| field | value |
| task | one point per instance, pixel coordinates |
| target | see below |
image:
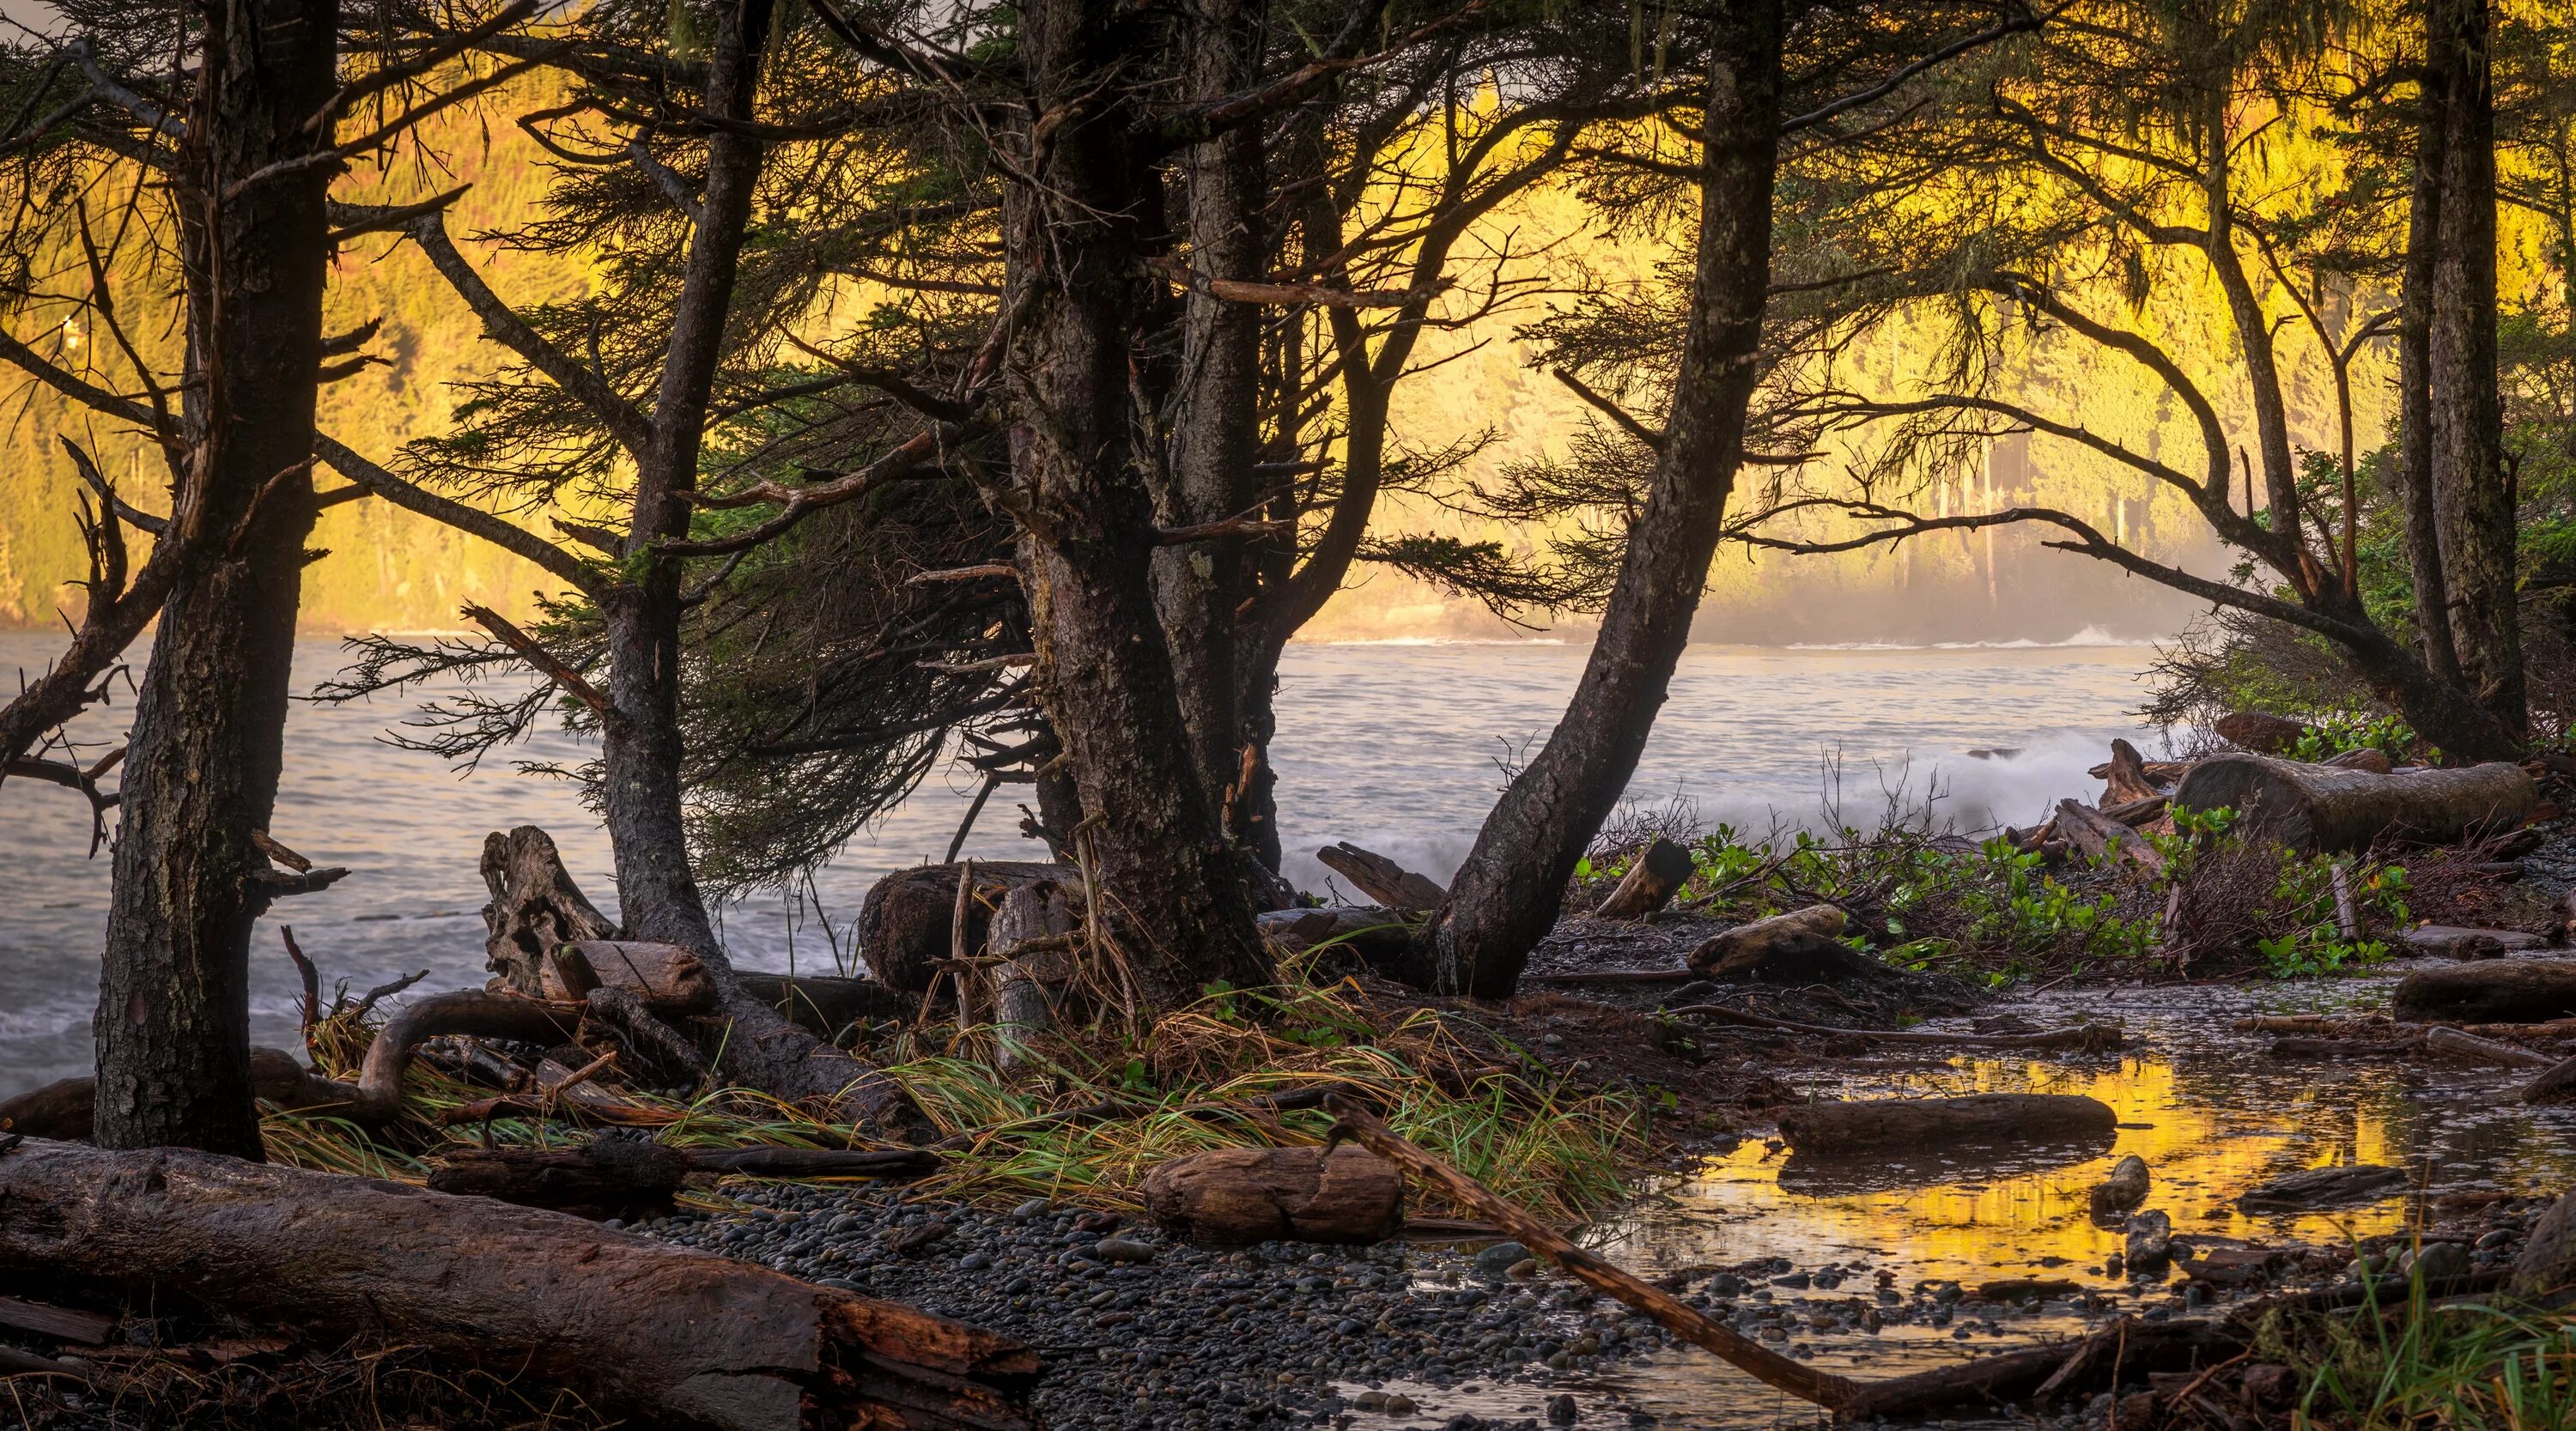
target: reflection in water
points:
(2207, 1108)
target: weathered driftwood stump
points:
(1033, 968)
(1660, 870)
(535, 907)
(908, 918)
(1838, 1129)
(1803, 946)
(666, 1336)
(1236, 1196)
(2322, 809)
(2491, 991)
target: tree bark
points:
(2415, 367)
(1077, 242)
(1508, 894)
(173, 1022)
(2472, 483)
(1212, 473)
(669, 1337)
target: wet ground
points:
(1850, 1265)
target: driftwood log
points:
(2127, 777)
(825, 1004)
(1376, 935)
(1382, 879)
(667, 1336)
(2320, 809)
(1233, 1197)
(612, 1176)
(2091, 1038)
(1803, 946)
(907, 921)
(2100, 838)
(1874, 1125)
(2491, 991)
(536, 909)
(671, 981)
(1658, 873)
(2262, 734)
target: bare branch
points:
(501, 323)
(471, 520)
(530, 650)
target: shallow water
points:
(2209, 1111)
(1392, 746)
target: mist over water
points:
(1396, 746)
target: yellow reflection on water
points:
(2209, 1130)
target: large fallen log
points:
(2092, 1038)
(2318, 809)
(1659, 872)
(909, 918)
(1355, 1123)
(2102, 838)
(2491, 991)
(1837, 1129)
(1234, 1197)
(667, 1336)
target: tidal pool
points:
(2207, 1107)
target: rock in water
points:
(2493, 991)
(2150, 1245)
(1835, 1129)
(2121, 1193)
(1803, 946)
(2325, 1187)
(2544, 1272)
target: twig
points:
(312, 982)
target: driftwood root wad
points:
(1839, 1129)
(1238, 1196)
(669, 1337)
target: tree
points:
(2121, 148)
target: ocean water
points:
(1396, 746)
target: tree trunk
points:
(1211, 473)
(672, 1338)
(2473, 485)
(2320, 808)
(2415, 368)
(1508, 894)
(173, 1023)
(1077, 244)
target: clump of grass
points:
(1444, 1081)
(2462, 1366)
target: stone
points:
(1500, 1258)
(1120, 1249)
(2150, 1243)
(2121, 1193)
(2436, 1260)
